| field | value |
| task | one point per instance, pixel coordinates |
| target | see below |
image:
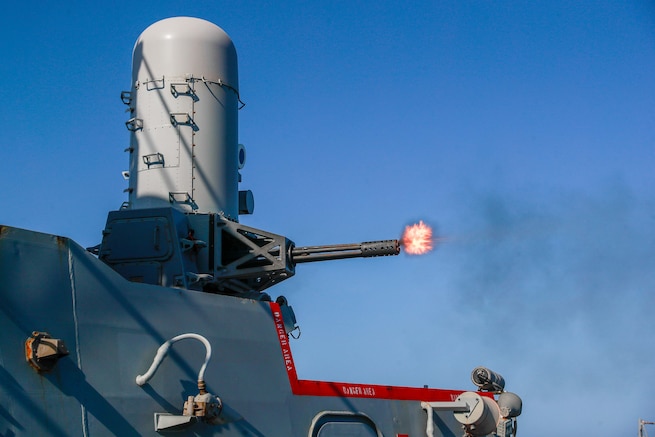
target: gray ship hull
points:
(112, 329)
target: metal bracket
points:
(183, 119)
(153, 159)
(154, 84)
(126, 97)
(183, 89)
(251, 259)
(191, 278)
(459, 406)
(188, 244)
(134, 124)
(172, 422)
(182, 197)
(429, 407)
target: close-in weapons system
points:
(165, 327)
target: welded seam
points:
(71, 275)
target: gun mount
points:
(165, 246)
(180, 226)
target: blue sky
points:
(523, 131)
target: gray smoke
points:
(568, 282)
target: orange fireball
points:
(417, 239)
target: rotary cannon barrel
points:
(340, 251)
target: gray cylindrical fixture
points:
(510, 404)
(184, 122)
(487, 380)
(482, 415)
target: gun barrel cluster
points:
(340, 251)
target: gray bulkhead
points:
(112, 329)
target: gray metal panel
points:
(147, 238)
(113, 329)
(120, 325)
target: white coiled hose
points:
(163, 350)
